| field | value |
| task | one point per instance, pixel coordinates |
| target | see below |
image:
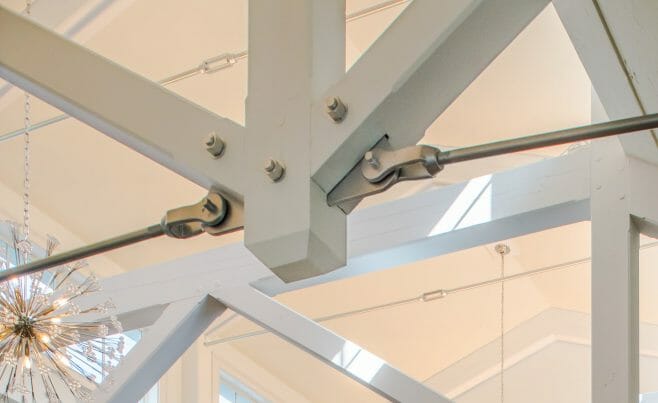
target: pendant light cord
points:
(502, 250)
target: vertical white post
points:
(181, 323)
(615, 265)
(296, 51)
(197, 376)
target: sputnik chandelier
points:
(53, 347)
(47, 348)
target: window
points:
(233, 391)
(152, 396)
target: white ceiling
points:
(87, 187)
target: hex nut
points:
(335, 109)
(214, 144)
(274, 170)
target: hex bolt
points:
(274, 170)
(214, 144)
(336, 109)
(370, 158)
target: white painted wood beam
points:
(296, 50)
(644, 196)
(334, 350)
(411, 74)
(528, 199)
(615, 274)
(121, 104)
(615, 41)
(507, 204)
(74, 19)
(181, 323)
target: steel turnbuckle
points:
(205, 216)
(382, 167)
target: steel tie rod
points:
(153, 231)
(611, 128)
(382, 166)
(208, 215)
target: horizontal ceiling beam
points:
(503, 205)
(121, 104)
(484, 210)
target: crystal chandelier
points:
(47, 349)
(54, 344)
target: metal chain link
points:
(27, 106)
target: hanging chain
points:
(27, 106)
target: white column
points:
(162, 344)
(615, 264)
(296, 50)
(197, 375)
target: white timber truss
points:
(293, 239)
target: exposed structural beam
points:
(483, 210)
(488, 209)
(616, 44)
(180, 324)
(615, 278)
(74, 19)
(163, 126)
(348, 358)
(440, 48)
(210, 65)
(643, 196)
(289, 226)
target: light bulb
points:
(27, 362)
(63, 359)
(58, 303)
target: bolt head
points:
(335, 109)
(274, 170)
(331, 103)
(370, 158)
(214, 144)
